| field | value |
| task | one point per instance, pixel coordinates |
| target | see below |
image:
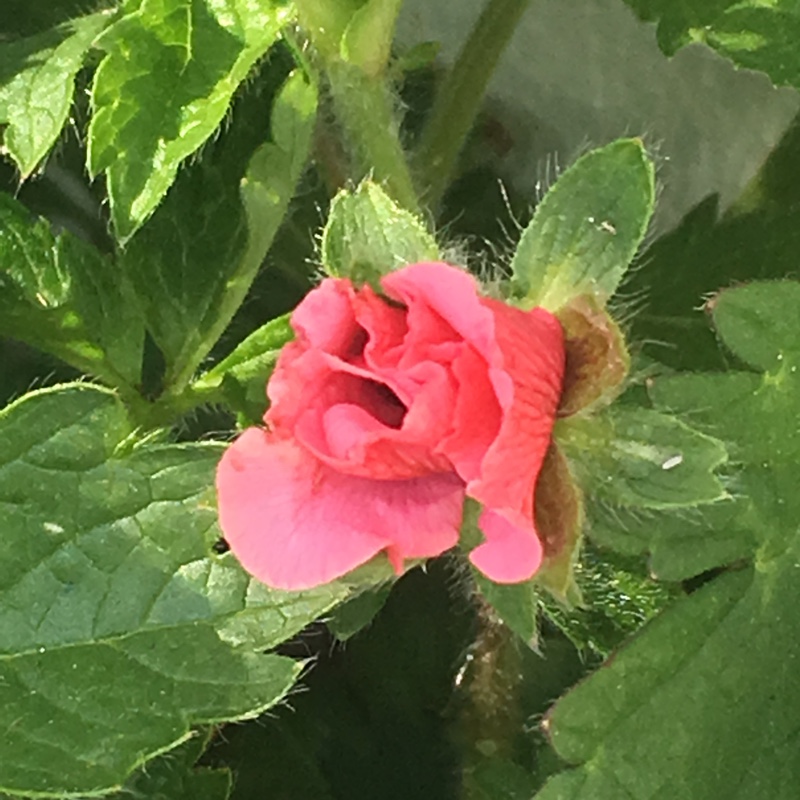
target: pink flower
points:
(385, 412)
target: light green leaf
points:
(704, 703)
(37, 78)
(59, 294)
(194, 263)
(367, 40)
(368, 235)
(587, 228)
(120, 631)
(254, 357)
(164, 86)
(639, 458)
(751, 33)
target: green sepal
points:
(587, 229)
(368, 235)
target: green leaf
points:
(164, 86)
(756, 323)
(194, 263)
(517, 604)
(704, 703)
(120, 631)
(240, 378)
(755, 239)
(752, 34)
(61, 295)
(19, 18)
(175, 777)
(368, 235)
(498, 779)
(619, 597)
(358, 612)
(640, 458)
(37, 78)
(587, 228)
(680, 545)
(372, 707)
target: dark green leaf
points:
(372, 722)
(120, 631)
(61, 295)
(499, 779)
(516, 604)
(587, 228)
(618, 598)
(358, 612)
(29, 17)
(751, 33)
(193, 264)
(756, 239)
(164, 86)
(368, 235)
(704, 703)
(37, 77)
(175, 777)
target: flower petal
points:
(528, 387)
(511, 553)
(295, 523)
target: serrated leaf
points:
(755, 239)
(61, 295)
(174, 776)
(358, 612)
(704, 703)
(164, 86)
(587, 228)
(640, 458)
(254, 357)
(37, 77)
(752, 34)
(194, 263)
(368, 235)
(757, 322)
(619, 597)
(119, 631)
(516, 604)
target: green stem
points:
(365, 108)
(460, 96)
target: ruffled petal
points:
(452, 294)
(528, 386)
(295, 523)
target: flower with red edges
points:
(386, 411)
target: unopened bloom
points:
(386, 411)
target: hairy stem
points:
(365, 107)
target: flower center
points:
(382, 403)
